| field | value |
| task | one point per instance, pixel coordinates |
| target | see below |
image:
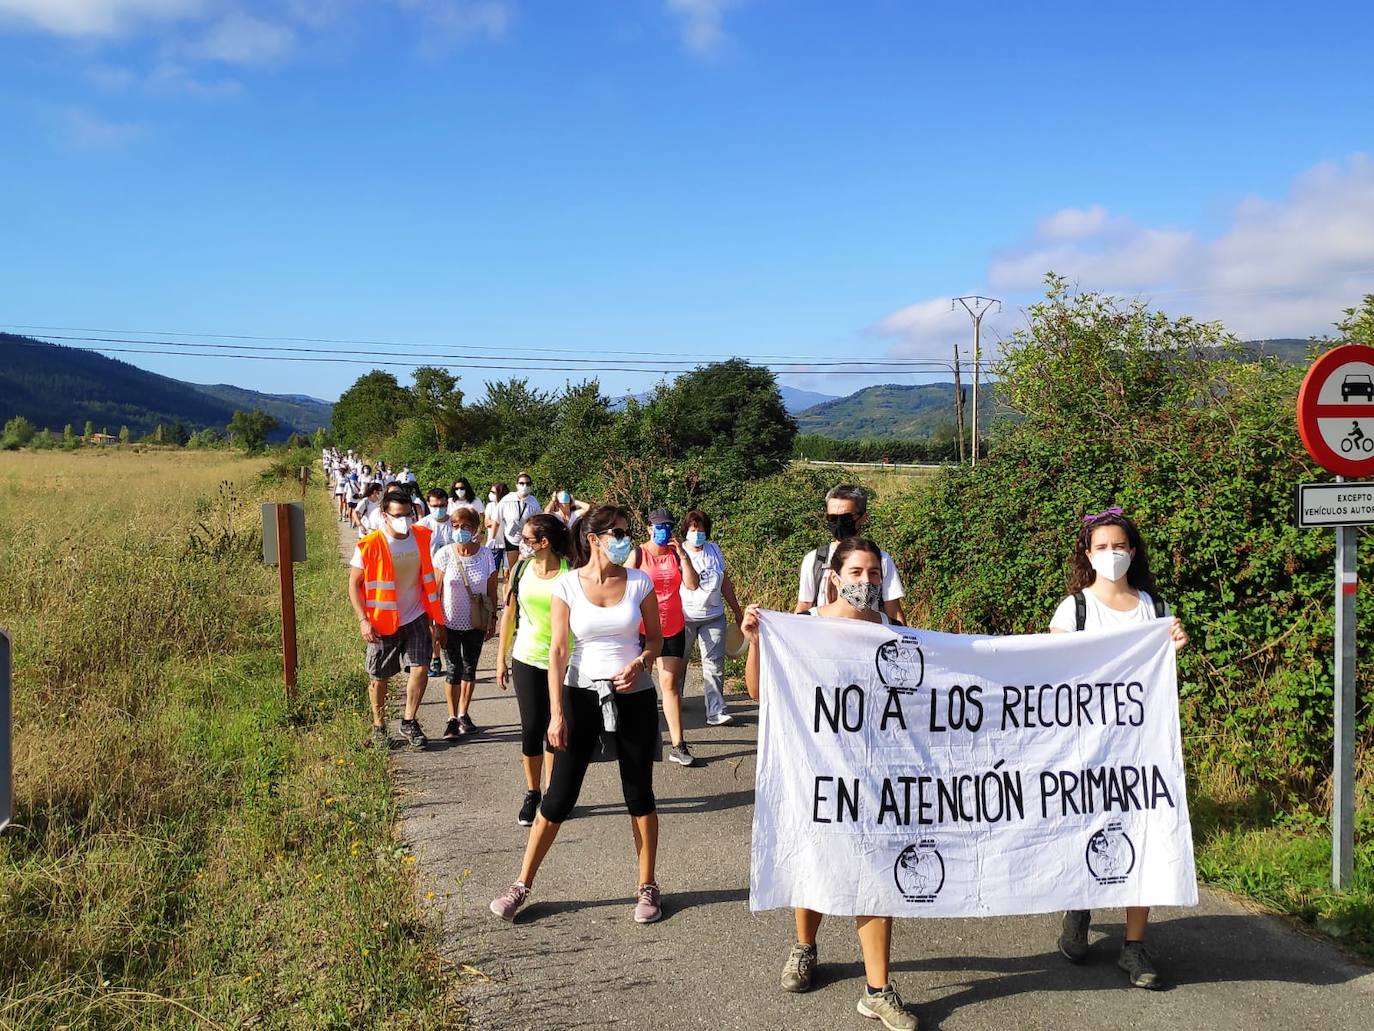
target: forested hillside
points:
(53, 386)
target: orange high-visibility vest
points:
(379, 581)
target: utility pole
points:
(958, 411)
(976, 307)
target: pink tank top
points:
(664, 571)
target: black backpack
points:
(1080, 609)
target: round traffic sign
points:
(1336, 410)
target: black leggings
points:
(464, 650)
(532, 695)
(637, 742)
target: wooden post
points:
(288, 600)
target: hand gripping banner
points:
(908, 773)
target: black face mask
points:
(842, 526)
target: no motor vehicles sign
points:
(1336, 411)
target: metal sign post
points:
(6, 753)
(1336, 423)
(283, 544)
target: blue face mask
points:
(663, 533)
(618, 550)
(464, 535)
(696, 538)
(564, 498)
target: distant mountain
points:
(1286, 349)
(303, 413)
(894, 410)
(793, 400)
(51, 386)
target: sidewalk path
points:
(575, 959)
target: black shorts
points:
(674, 647)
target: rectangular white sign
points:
(1335, 504)
(909, 773)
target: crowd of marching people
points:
(593, 632)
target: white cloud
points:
(86, 131)
(1283, 267)
(175, 79)
(240, 38)
(703, 29)
(451, 22)
(94, 17)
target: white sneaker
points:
(719, 720)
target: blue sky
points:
(688, 178)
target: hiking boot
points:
(797, 971)
(465, 721)
(681, 754)
(528, 808)
(452, 729)
(647, 909)
(505, 904)
(377, 737)
(1136, 962)
(887, 1007)
(410, 730)
(1073, 935)
(719, 719)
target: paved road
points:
(574, 958)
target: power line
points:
(676, 365)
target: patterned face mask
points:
(862, 596)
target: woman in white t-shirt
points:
(467, 573)
(603, 685)
(1111, 586)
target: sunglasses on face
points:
(619, 533)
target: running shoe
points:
(887, 1007)
(647, 908)
(528, 808)
(378, 737)
(436, 668)
(681, 754)
(466, 722)
(1136, 962)
(797, 971)
(453, 730)
(410, 730)
(505, 904)
(719, 720)
(1073, 935)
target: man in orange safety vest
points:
(394, 591)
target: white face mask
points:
(696, 538)
(522, 490)
(399, 524)
(492, 497)
(1110, 565)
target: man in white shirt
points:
(846, 514)
(511, 513)
(440, 528)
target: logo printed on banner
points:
(920, 871)
(901, 664)
(1110, 854)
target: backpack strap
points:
(818, 576)
(1159, 607)
(515, 588)
(1080, 610)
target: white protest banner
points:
(909, 773)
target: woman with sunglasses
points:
(661, 557)
(600, 684)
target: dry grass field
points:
(187, 849)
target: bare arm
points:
(749, 626)
(690, 577)
(356, 599)
(727, 591)
(893, 609)
(559, 617)
(504, 635)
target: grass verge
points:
(190, 851)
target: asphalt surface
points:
(573, 957)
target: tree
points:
(728, 414)
(124, 434)
(68, 434)
(369, 411)
(89, 431)
(249, 430)
(515, 419)
(440, 403)
(320, 438)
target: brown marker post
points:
(288, 600)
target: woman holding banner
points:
(856, 571)
(1111, 585)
